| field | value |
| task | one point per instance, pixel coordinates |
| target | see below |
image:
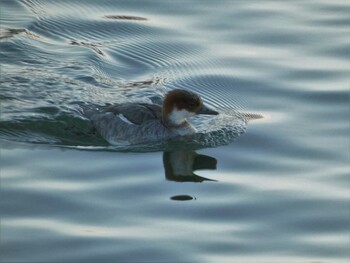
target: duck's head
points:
(181, 104)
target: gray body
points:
(134, 123)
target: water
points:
(275, 190)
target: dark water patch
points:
(182, 198)
(315, 75)
(332, 22)
(328, 97)
(140, 84)
(59, 29)
(125, 17)
(49, 126)
(334, 8)
(337, 51)
(10, 32)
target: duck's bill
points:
(206, 110)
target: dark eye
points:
(192, 103)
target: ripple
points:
(149, 56)
(93, 46)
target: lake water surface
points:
(274, 189)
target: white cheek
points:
(179, 116)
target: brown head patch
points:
(181, 99)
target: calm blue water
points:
(274, 189)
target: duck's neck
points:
(177, 121)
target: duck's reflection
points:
(180, 165)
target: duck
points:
(137, 123)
